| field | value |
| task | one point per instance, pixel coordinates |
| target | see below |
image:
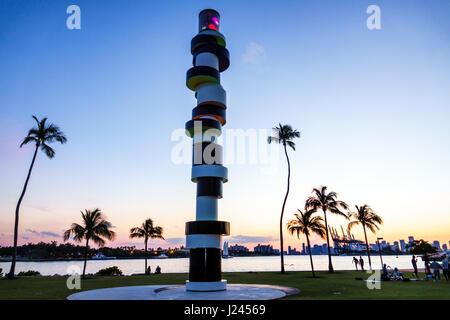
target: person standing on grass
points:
(426, 261)
(436, 272)
(361, 263)
(414, 263)
(445, 270)
(355, 261)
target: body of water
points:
(236, 264)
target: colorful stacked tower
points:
(204, 235)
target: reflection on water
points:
(271, 263)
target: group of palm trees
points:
(306, 222)
(95, 227)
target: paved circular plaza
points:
(167, 292)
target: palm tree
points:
(94, 228)
(41, 136)
(284, 134)
(327, 202)
(366, 217)
(147, 231)
(306, 223)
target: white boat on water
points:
(161, 256)
(100, 256)
(225, 251)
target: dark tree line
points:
(53, 250)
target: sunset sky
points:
(372, 106)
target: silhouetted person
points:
(385, 273)
(397, 275)
(436, 274)
(148, 270)
(426, 261)
(414, 263)
(355, 261)
(445, 269)
(158, 270)
(361, 263)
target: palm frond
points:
(291, 144)
(48, 150)
(36, 119)
(27, 140)
(352, 224)
(98, 240)
(338, 212)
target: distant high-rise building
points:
(316, 249)
(444, 247)
(331, 251)
(410, 239)
(303, 248)
(402, 245)
(395, 247)
(237, 249)
(265, 249)
(436, 244)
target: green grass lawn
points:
(324, 287)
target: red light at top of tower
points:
(209, 19)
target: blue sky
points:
(372, 106)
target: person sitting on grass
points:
(397, 275)
(149, 270)
(158, 270)
(385, 274)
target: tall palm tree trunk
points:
(282, 210)
(330, 264)
(85, 256)
(145, 271)
(16, 222)
(367, 245)
(310, 256)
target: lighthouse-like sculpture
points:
(204, 235)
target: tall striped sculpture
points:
(204, 235)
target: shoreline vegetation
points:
(338, 285)
(173, 257)
(52, 251)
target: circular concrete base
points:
(206, 286)
(162, 292)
